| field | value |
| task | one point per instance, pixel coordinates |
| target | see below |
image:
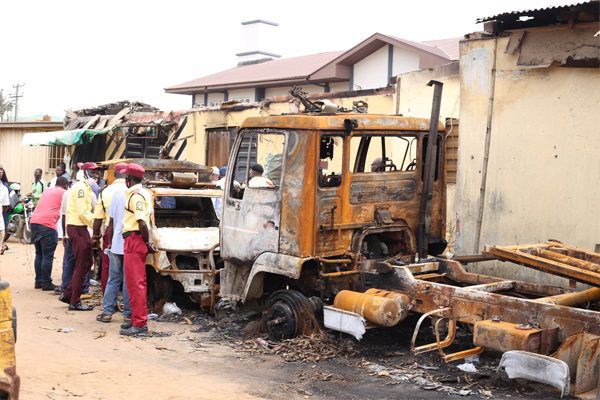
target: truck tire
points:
(291, 314)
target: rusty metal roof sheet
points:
(532, 12)
(161, 165)
(163, 117)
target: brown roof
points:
(448, 46)
(323, 67)
(273, 70)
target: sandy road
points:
(54, 364)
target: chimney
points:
(259, 36)
(46, 118)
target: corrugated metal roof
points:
(448, 46)
(273, 70)
(531, 11)
(427, 46)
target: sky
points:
(74, 54)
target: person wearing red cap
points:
(101, 214)
(79, 217)
(138, 244)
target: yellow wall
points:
(21, 161)
(415, 98)
(543, 177)
(200, 121)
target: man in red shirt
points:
(43, 232)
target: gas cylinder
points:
(375, 309)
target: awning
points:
(61, 138)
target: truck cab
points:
(346, 195)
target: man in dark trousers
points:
(43, 232)
(138, 243)
(101, 215)
(79, 217)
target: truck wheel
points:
(291, 314)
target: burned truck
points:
(351, 233)
(185, 228)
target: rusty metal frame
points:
(482, 300)
(554, 258)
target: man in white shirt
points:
(4, 203)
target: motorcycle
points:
(19, 217)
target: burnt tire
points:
(291, 314)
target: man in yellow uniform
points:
(100, 214)
(138, 243)
(79, 218)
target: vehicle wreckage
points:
(351, 233)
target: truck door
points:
(252, 198)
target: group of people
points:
(123, 208)
(76, 212)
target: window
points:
(331, 156)
(383, 153)
(56, 155)
(216, 103)
(243, 99)
(264, 150)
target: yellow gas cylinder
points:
(401, 298)
(375, 309)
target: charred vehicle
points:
(185, 229)
(351, 231)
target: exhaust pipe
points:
(426, 210)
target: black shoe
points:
(64, 299)
(134, 330)
(49, 287)
(58, 290)
(126, 325)
(80, 307)
(37, 286)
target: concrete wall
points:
(241, 93)
(543, 178)
(339, 87)
(404, 61)
(212, 97)
(414, 99)
(21, 161)
(372, 71)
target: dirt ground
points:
(194, 356)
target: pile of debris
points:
(106, 116)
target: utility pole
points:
(16, 97)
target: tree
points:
(6, 105)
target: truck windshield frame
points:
(263, 147)
(396, 153)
